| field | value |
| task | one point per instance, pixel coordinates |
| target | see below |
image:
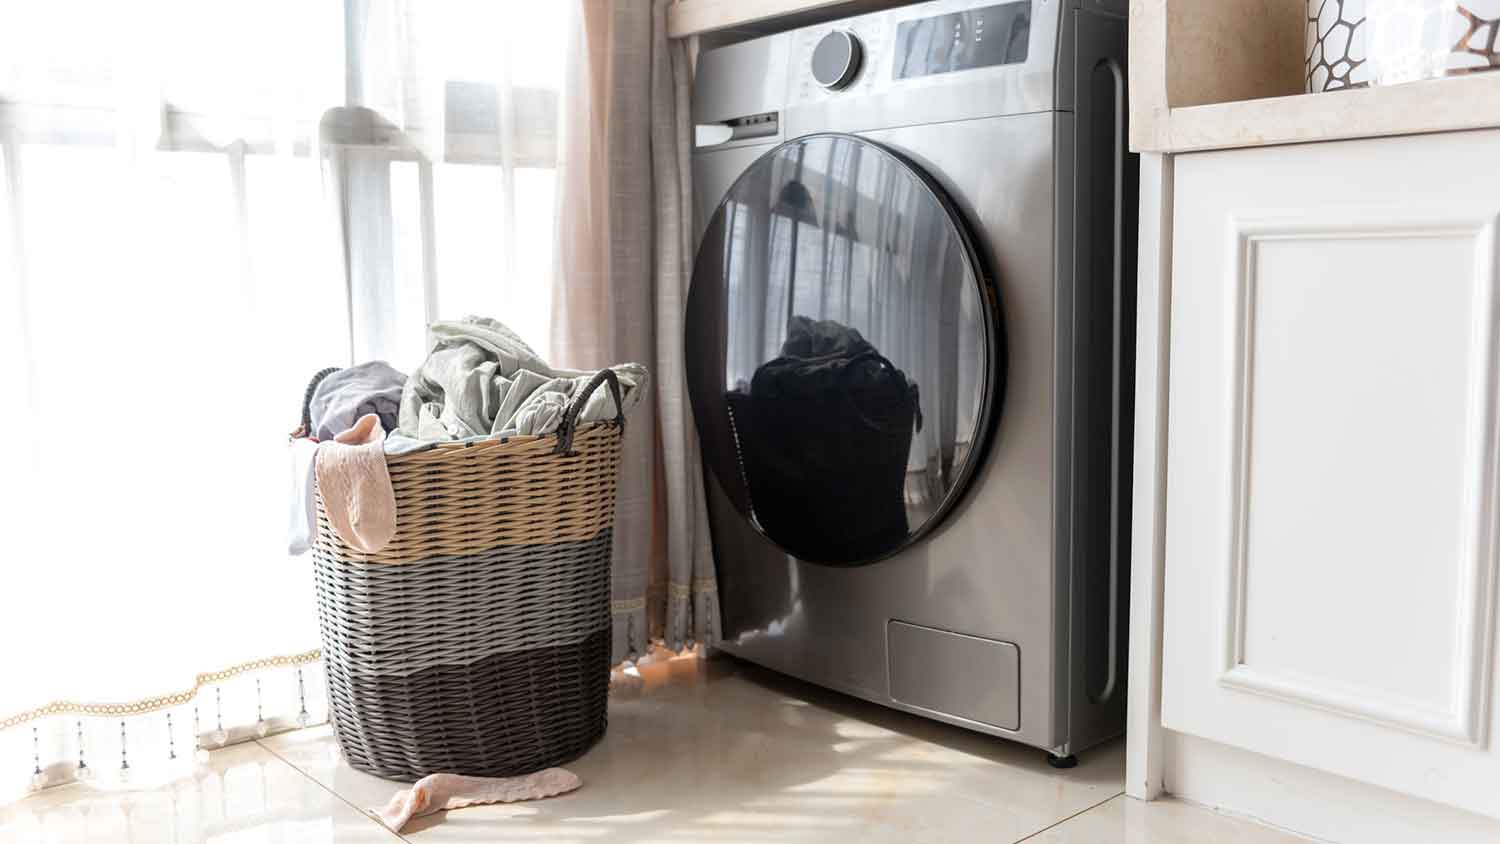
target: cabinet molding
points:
(1459, 712)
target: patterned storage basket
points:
(477, 641)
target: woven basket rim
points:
(469, 499)
(495, 441)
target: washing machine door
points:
(844, 350)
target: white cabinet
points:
(1331, 465)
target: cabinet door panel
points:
(1331, 469)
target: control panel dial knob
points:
(836, 59)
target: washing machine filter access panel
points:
(962, 676)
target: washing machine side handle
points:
(1116, 387)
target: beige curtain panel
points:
(625, 252)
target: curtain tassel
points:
(38, 779)
(200, 753)
(261, 727)
(124, 762)
(84, 772)
(303, 719)
(219, 737)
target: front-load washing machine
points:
(909, 355)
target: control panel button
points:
(836, 59)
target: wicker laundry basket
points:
(477, 641)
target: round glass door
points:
(844, 350)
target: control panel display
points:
(985, 37)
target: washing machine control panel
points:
(932, 45)
(989, 36)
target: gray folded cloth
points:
(481, 380)
(343, 397)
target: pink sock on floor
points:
(438, 792)
(356, 486)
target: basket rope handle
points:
(570, 416)
(307, 396)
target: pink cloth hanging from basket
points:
(438, 792)
(356, 486)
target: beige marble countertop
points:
(687, 18)
(1220, 74)
(691, 17)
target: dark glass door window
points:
(844, 350)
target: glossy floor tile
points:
(1126, 821)
(715, 751)
(247, 796)
(732, 753)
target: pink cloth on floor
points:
(356, 486)
(438, 792)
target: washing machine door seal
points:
(844, 350)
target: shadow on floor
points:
(719, 747)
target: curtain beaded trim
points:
(160, 702)
(626, 606)
(699, 584)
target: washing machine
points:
(909, 348)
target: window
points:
(471, 223)
(448, 199)
(201, 204)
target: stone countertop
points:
(1229, 74)
(686, 18)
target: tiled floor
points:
(701, 752)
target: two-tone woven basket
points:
(477, 641)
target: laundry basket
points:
(477, 641)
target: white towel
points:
(302, 526)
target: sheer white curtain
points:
(447, 158)
(202, 203)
